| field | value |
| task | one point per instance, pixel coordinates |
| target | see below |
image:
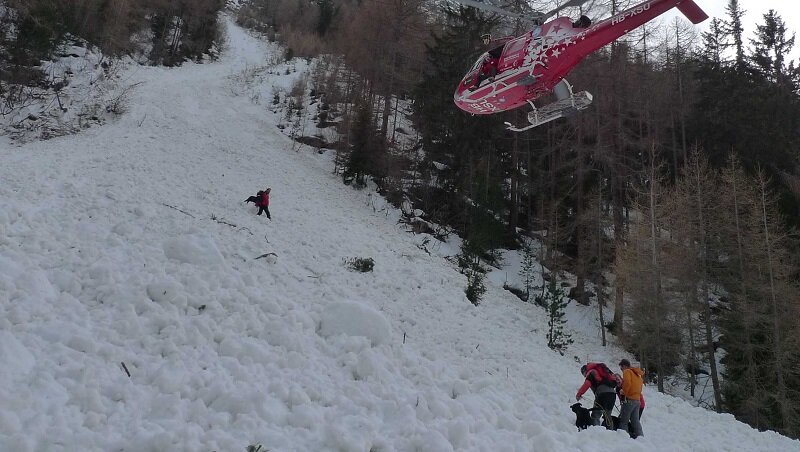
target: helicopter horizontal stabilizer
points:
(692, 11)
(559, 109)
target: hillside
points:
(129, 243)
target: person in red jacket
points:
(641, 406)
(263, 203)
(602, 382)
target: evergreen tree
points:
(555, 302)
(654, 334)
(469, 261)
(744, 387)
(693, 218)
(366, 154)
(713, 44)
(753, 113)
(462, 152)
(759, 334)
(527, 270)
(734, 28)
(771, 47)
(327, 13)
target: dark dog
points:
(253, 199)
(583, 416)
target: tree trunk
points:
(778, 352)
(655, 269)
(513, 218)
(692, 350)
(619, 242)
(709, 321)
(599, 285)
(580, 232)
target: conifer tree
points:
(653, 334)
(744, 388)
(782, 304)
(469, 260)
(555, 302)
(734, 28)
(760, 340)
(464, 154)
(527, 270)
(771, 49)
(694, 223)
(366, 154)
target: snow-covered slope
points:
(134, 315)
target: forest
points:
(673, 199)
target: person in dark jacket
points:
(604, 389)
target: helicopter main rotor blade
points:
(565, 5)
(492, 8)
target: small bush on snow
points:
(360, 264)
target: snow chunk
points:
(194, 249)
(12, 351)
(166, 291)
(32, 282)
(355, 319)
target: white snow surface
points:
(128, 249)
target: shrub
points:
(475, 287)
(360, 264)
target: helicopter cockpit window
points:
(477, 64)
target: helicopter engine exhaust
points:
(562, 90)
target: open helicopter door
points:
(566, 105)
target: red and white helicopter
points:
(518, 70)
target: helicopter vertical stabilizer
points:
(692, 11)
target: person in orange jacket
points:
(632, 392)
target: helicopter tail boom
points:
(692, 11)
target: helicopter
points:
(518, 70)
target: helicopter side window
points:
(515, 47)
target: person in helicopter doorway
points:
(491, 60)
(582, 22)
(488, 70)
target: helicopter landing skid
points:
(563, 108)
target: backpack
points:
(602, 375)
